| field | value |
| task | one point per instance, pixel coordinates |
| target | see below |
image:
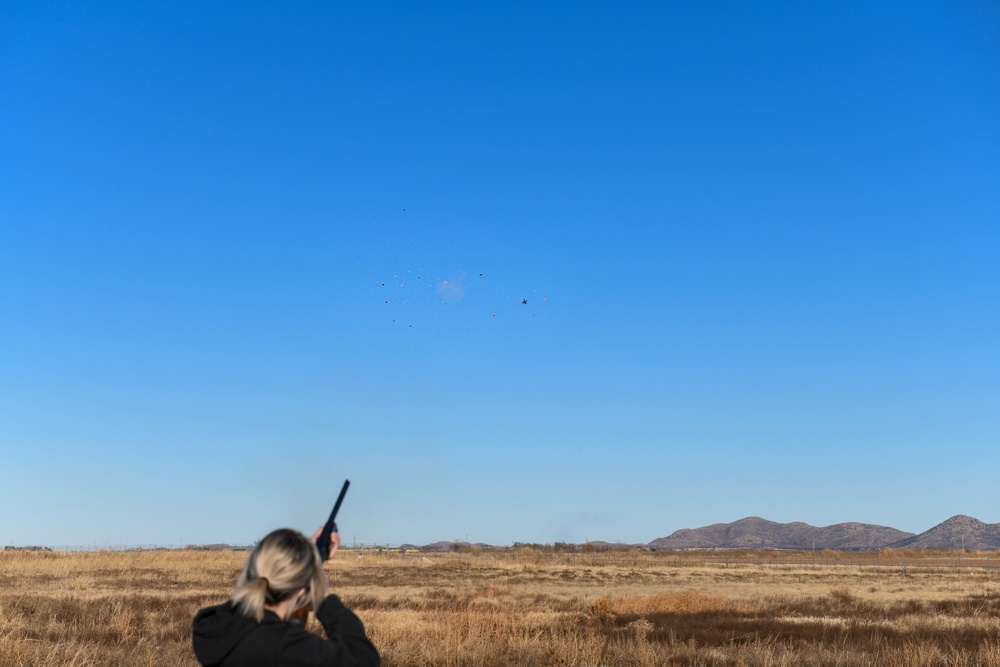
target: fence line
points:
(895, 559)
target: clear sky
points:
(759, 244)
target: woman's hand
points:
(334, 542)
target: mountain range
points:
(958, 532)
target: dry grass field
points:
(534, 607)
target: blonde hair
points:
(281, 564)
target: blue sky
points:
(759, 247)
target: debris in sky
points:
(448, 291)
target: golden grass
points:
(535, 607)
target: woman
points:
(261, 625)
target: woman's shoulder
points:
(218, 631)
(346, 645)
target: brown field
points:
(535, 607)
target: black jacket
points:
(224, 637)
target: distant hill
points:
(757, 533)
(455, 546)
(438, 546)
(958, 532)
(602, 545)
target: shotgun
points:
(323, 543)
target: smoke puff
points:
(452, 289)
